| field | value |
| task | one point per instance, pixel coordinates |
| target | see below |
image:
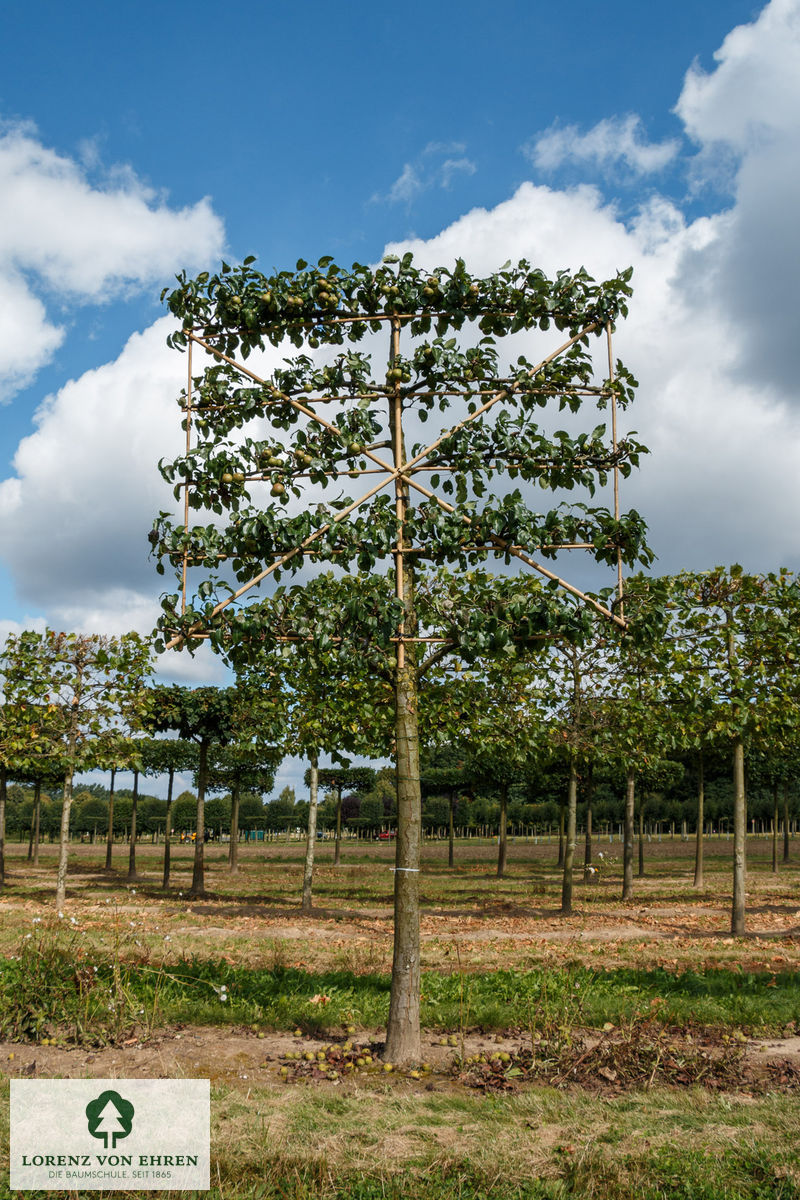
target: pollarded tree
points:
(239, 767)
(29, 753)
(91, 687)
(634, 730)
(206, 716)
(357, 780)
(309, 425)
(167, 756)
(739, 640)
(444, 772)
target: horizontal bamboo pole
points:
(422, 551)
(392, 474)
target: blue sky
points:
(135, 140)
(298, 121)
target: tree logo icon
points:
(109, 1116)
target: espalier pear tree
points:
(91, 687)
(322, 460)
(736, 649)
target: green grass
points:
(40, 988)
(299, 1144)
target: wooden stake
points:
(186, 492)
(616, 467)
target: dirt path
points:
(242, 1058)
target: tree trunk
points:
(785, 820)
(402, 1034)
(627, 835)
(775, 822)
(233, 844)
(132, 848)
(63, 847)
(36, 822)
(198, 870)
(739, 841)
(502, 840)
(168, 830)
(699, 844)
(110, 833)
(337, 845)
(311, 836)
(587, 851)
(641, 836)
(451, 832)
(561, 807)
(569, 857)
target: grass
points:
(496, 955)
(295, 1143)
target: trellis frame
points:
(401, 472)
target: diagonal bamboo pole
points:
(185, 570)
(508, 548)
(393, 474)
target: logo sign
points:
(114, 1134)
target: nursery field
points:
(630, 1050)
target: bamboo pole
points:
(507, 548)
(185, 570)
(616, 466)
(393, 473)
(399, 486)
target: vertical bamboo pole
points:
(403, 1043)
(399, 485)
(615, 443)
(186, 487)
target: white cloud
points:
(455, 166)
(720, 476)
(751, 95)
(74, 519)
(609, 142)
(426, 173)
(407, 185)
(748, 110)
(27, 338)
(64, 238)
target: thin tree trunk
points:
(502, 840)
(168, 830)
(110, 833)
(33, 849)
(132, 846)
(233, 844)
(786, 851)
(63, 847)
(569, 857)
(198, 870)
(451, 832)
(587, 851)
(775, 821)
(561, 809)
(337, 845)
(699, 845)
(403, 1034)
(311, 835)
(739, 842)
(641, 836)
(627, 835)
